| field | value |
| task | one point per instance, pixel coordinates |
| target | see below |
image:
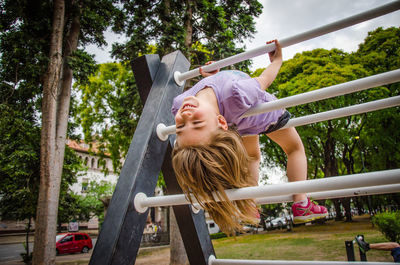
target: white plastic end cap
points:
(195, 208)
(137, 202)
(211, 258)
(176, 78)
(160, 132)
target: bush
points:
(389, 224)
(217, 235)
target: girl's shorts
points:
(396, 254)
(280, 123)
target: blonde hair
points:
(221, 164)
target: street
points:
(11, 252)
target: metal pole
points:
(386, 177)
(344, 112)
(214, 261)
(363, 255)
(323, 195)
(350, 250)
(327, 92)
(344, 23)
(180, 199)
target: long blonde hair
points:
(219, 165)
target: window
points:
(212, 225)
(66, 239)
(85, 184)
(79, 237)
(86, 161)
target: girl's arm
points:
(269, 74)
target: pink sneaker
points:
(309, 213)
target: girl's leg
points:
(290, 141)
(252, 146)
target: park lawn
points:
(315, 242)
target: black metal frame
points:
(121, 232)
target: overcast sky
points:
(285, 18)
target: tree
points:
(378, 144)
(38, 39)
(325, 140)
(109, 110)
(92, 203)
(20, 167)
(352, 144)
(189, 26)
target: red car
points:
(73, 242)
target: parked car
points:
(73, 242)
(278, 222)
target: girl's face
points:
(196, 121)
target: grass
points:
(315, 242)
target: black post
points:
(363, 255)
(121, 233)
(350, 251)
(120, 237)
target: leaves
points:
(348, 145)
(109, 110)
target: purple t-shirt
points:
(236, 92)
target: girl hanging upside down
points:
(217, 150)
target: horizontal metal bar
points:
(327, 92)
(213, 261)
(324, 195)
(335, 26)
(316, 185)
(344, 112)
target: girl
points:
(217, 150)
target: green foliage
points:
(19, 164)
(218, 235)
(172, 25)
(381, 135)
(272, 210)
(20, 168)
(109, 110)
(91, 204)
(389, 224)
(352, 144)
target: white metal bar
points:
(340, 24)
(316, 185)
(324, 195)
(327, 92)
(344, 112)
(213, 261)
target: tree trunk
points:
(28, 230)
(178, 253)
(339, 216)
(64, 97)
(46, 221)
(347, 207)
(188, 27)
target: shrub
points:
(389, 224)
(217, 235)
